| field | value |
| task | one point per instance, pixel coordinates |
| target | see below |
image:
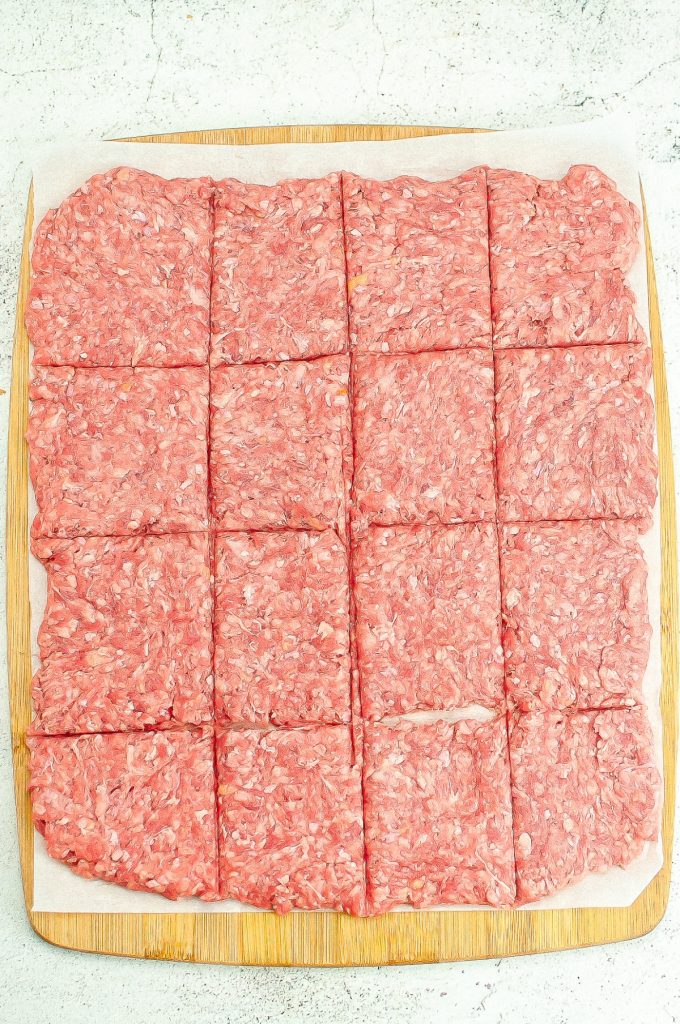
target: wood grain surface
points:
(323, 939)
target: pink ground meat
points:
(126, 639)
(119, 451)
(428, 618)
(575, 431)
(121, 273)
(281, 449)
(278, 287)
(585, 794)
(290, 819)
(423, 438)
(559, 253)
(576, 627)
(437, 814)
(137, 809)
(417, 262)
(282, 627)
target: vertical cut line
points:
(355, 675)
(498, 526)
(212, 542)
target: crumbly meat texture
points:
(282, 628)
(428, 618)
(423, 438)
(575, 432)
(281, 450)
(417, 262)
(126, 639)
(585, 795)
(559, 255)
(576, 626)
(290, 819)
(278, 286)
(437, 814)
(121, 273)
(116, 452)
(137, 809)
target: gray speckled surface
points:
(102, 68)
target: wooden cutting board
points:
(323, 939)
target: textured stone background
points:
(106, 68)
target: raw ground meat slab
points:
(278, 285)
(290, 819)
(281, 628)
(559, 254)
(423, 438)
(428, 618)
(137, 809)
(576, 626)
(119, 451)
(575, 432)
(126, 639)
(417, 262)
(437, 814)
(281, 450)
(121, 273)
(584, 795)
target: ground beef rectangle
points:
(281, 449)
(437, 814)
(585, 791)
(126, 639)
(290, 819)
(575, 431)
(282, 628)
(119, 451)
(423, 429)
(559, 253)
(278, 284)
(428, 618)
(417, 262)
(121, 273)
(137, 809)
(576, 626)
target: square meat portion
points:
(281, 448)
(417, 263)
(126, 639)
(560, 252)
(290, 819)
(576, 628)
(575, 431)
(428, 618)
(585, 795)
(282, 627)
(278, 287)
(121, 273)
(437, 814)
(424, 438)
(137, 809)
(116, 452)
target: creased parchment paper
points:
(609, 144)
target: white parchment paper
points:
(609, 144)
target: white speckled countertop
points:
(107, 68)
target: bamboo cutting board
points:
(323, 939)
